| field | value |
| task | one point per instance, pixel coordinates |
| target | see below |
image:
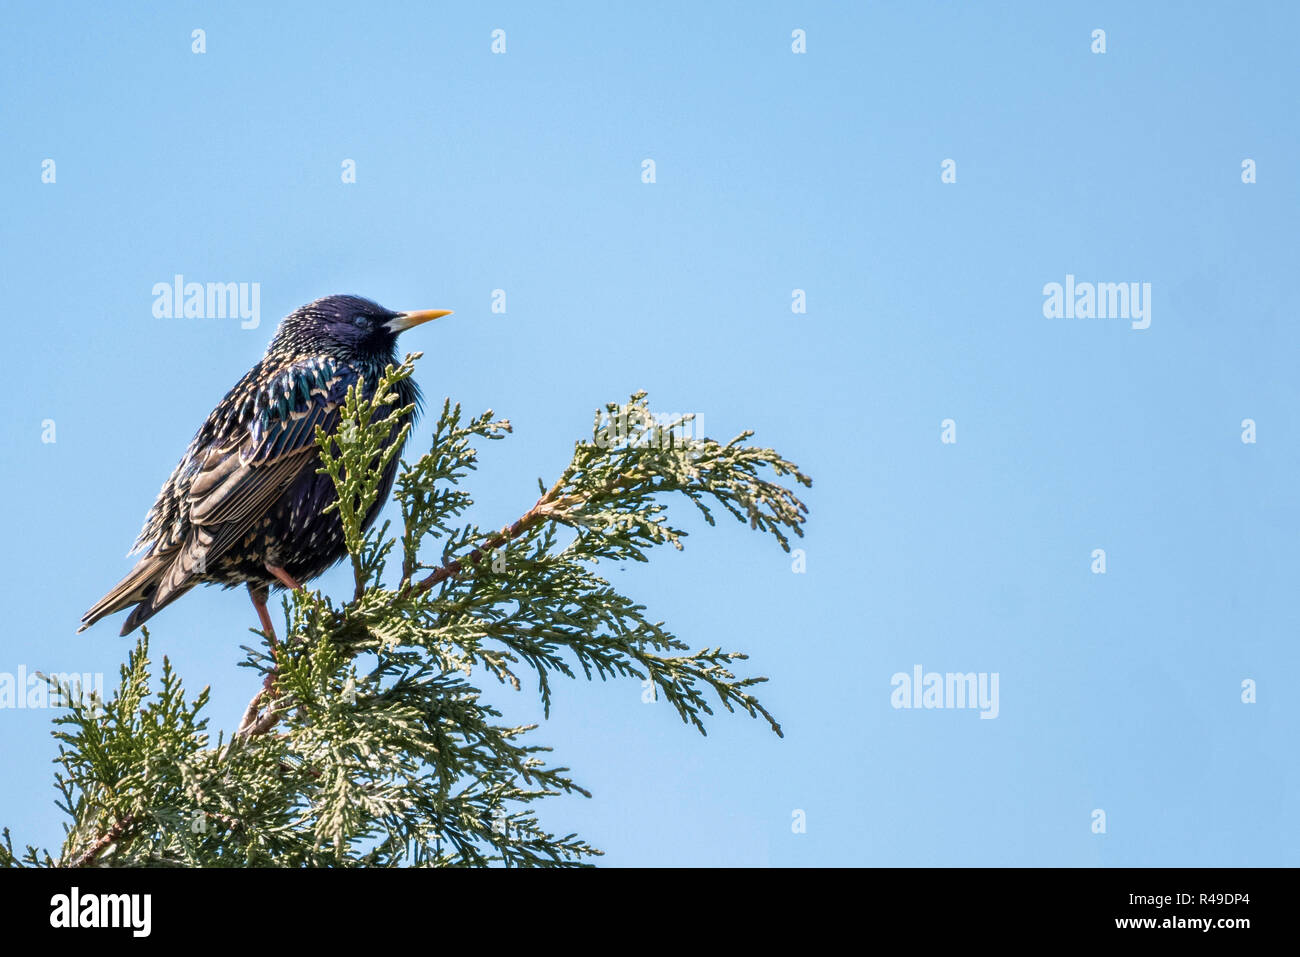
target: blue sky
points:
(774, 171)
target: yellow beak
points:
(407, 320)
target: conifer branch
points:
(383, 752)
(112, 835)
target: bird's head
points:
(346, 325)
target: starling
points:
(244, 506)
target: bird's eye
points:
(362, 322)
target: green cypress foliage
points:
(371, 744)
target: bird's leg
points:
(285, 578)
(258, 594)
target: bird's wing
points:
(257, 439)
(238, 478)
(252, 446)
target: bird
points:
(244, 506)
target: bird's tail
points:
(155, 582)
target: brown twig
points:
(546, 507)
(103, 841)
(551, 506)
